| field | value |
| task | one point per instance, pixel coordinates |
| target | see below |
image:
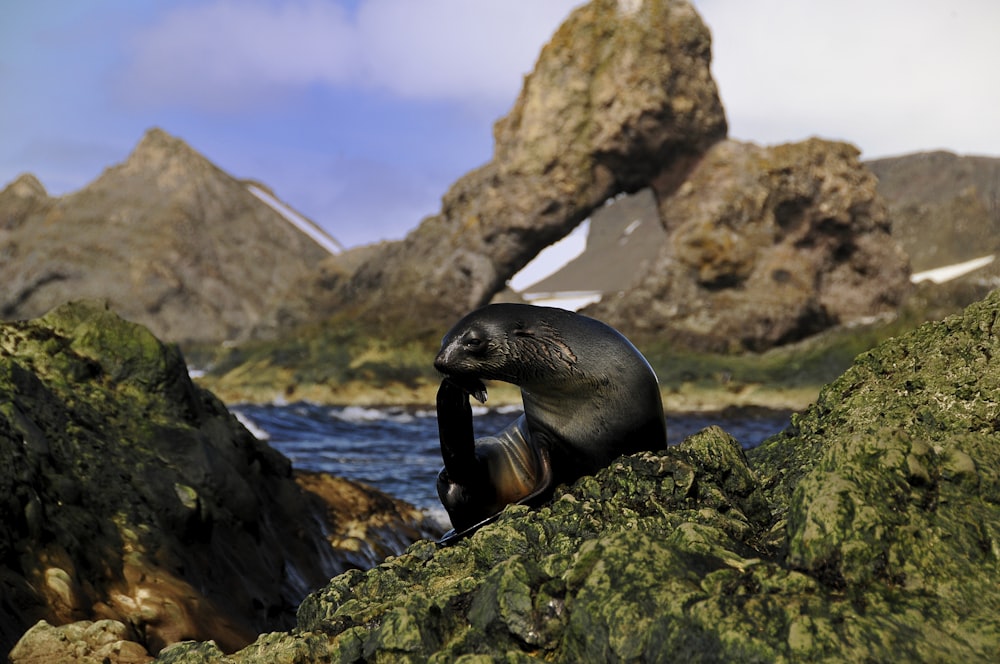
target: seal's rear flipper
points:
(451, 536)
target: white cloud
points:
(456, 48)
(223, 54)
(891, 76)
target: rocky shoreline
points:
(676, 400)
(868, 531)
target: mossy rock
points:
(868, 531)
(126, 492)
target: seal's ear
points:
(523, 330)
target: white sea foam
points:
(510, 409)
(251, 426)
(362, 414)
(439, 516)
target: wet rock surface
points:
(129, 494)
(868, 531)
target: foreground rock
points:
(868, 531)
(766, 245)
(83, 642)
(129, 494)
(622, 93)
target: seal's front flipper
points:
(463, 484)
(458, 441)
(541, 492)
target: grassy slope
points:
(341, 363)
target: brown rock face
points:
(766, 246)
(169, 239)
(621, 93)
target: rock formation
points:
(766, 245)
(127, 493)
(867, 531)
(622, 93)
(169, 239)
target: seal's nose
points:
(441, 361)
(444, 362)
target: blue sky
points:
(361, 113)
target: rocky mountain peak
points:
(19, 199)
(25, 185)
(166, 237)
(165, 159)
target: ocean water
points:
(397, 450)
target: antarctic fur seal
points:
(589, 397)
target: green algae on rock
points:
(128, 493)
(868, 531)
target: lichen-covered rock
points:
(894, 475)
(766, 245)
(128, 493)
(621, 93)
(869, 531)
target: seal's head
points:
(514, 343)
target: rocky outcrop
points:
(18, 200)
(622, 93)
(129, 494)
(766, 245)
(172, 241)
(867, 531)
(945, 210)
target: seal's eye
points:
(473, 342)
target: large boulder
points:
(766, 245)
(127, 493)
(868, 531)
(622, 93)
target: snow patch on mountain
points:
(318, 235)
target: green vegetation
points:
(343, 361)
(338, 362)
